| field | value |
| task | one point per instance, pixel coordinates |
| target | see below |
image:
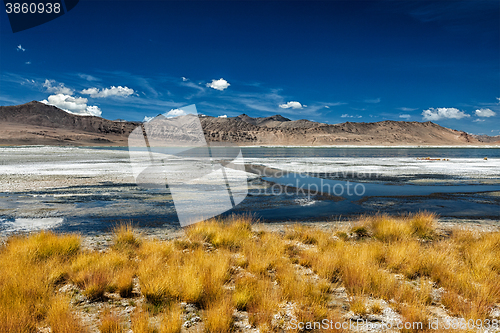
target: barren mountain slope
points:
(35, 123)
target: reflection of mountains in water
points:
(36, 123)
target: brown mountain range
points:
(35, 123)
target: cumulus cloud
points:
(93, 110)
(485, 113)
(147, 119)
(20, 48)
(405, 116)
(175, 113)
(327, 107)
(108, 92)
(223, 116)
(291, 105)
(184, 79)
(219, 84)
(57, 88)
(75, 105)
(443, 113)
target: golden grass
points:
(110, 323)
(223, 265)
(171, 320)
(61, 319)
(221, 234)
(358, 306)
(126, 237)
(219, 316)
(141, 323)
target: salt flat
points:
(90, 189)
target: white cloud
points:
(88, 77)
(147, 119)
(373, 101)
(108, 92)
(219, 84)
(53, 87)
(184, 79)
(175, 113)
(75, 105)
(478, 120)
(405, 116)
(345, 115)
(498, 99)
(20, 48)
(223, 116)
(327, 107)
(485, 113)
(291, 105)
(405, 109)
(443, 113)
(93, 110)
(28, 62)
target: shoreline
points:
(101, 240)
(282, 146)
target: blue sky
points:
(327, 61)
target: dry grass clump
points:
(263, 253)
(222, 266)
(306, 234)
(423, 224)
(193, 277)
(264, 304)
(44, 245)
(171, 320)
(376, 308)
(141, 323)
(392, 229)
(358, 306)
(110, 323)
(220, 233)
(95, 272)
(415, 316)
(126, 237)
(31, 267)
(61, 319)
(219, 316)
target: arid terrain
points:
(378, 274)
(35, 123)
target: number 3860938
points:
(33, 8)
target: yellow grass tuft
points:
(219, 316)
(126, 237)
(61, 319)
(358, 306)
(423, 224)
(44, 245)
(141, 323)
(222, 233)
(110, 323)
(171, 320)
